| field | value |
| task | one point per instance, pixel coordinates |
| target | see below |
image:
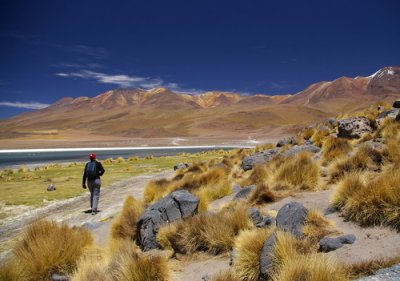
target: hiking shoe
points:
(93, 212)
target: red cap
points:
(92, 156)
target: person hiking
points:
(92, 173)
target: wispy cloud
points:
(121, 80)
(26, 105)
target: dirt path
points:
(71, 211)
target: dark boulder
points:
(292, 217)
(300, 148)
(328, 244)
(259, 158)
(396, 104)
(392, 114)
(286, 141)
(266, 257)
(177, 205)
(244, 192)
(354, 127)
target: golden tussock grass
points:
(392, 152)
(319, 136)
(92, 266)
(376, 202)
(262, 194)
(333, 148)
(155, 189)
(367, 268)
(123, 261)
(229, 275)
(298, 172)
(208, 232)
(265, 146)
(124, 226)
(317, 226)
(307, 133)
(259, 175)
(248, 245)
(47, 248)
(314, 267)
(365, 158)
(345, 189)
(389, 130)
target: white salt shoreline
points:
(119, 148)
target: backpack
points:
(91, 170)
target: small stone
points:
(51, 187)
(59, 277)
(255, 215)
(267, 221)
(347, 239)
(206, 277)
(328, 244)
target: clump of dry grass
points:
(209, 232)
(229, 275)
(307, 133)
(389, 130)
(319, 136)
(317, 226)
(124, 226)
(365, 158)
(367, 268)
(334, 148)
(248, 245)
(123, 262)
(375, 202)
(48, 248)
(262, 194)
(155, 189)
(259, 175)
(298, 172)
(296, 259)
(314, 267)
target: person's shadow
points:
(90, 211)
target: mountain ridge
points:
(161, 112)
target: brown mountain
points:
(127, 114)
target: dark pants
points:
(94, 188)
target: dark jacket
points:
(99, 168)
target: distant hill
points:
(162, 113)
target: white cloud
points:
(121, 80)
(27, 105)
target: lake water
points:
(29, 157)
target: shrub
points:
(262, 194)
(298, 172)
(317, 226)
(209, 232)
(92, 266)
(47, 248)
(248, 245)
(124, 227)
(319, 136)
(369, 267)
(346, 188)
(333, 148)
(315, 267)
(374, 203)
(259, 175)
(365, 158)
(155, 189)
(120, 160)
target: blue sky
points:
(54, 49)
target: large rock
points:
(396, 104)
(286, 141)
(392, 113)
(177, 205)
(299, 148)
(266, 258)
(292, 217)
(244, 192)
(354, 127)
(259, 158)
